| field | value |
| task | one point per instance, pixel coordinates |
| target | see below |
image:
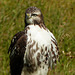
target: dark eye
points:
(34, 15)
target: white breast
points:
(41, 35)
(43, 38)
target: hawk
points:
(33, 50)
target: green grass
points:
(59, 17)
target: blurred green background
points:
(59, 17)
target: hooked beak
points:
(28, 16)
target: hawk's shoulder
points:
(14, 40)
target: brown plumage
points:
(33, 50)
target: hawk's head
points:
(33, 15)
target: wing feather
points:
(15, 39)
(17, 50)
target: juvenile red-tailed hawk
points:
(33, 50)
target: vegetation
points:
(59, 17)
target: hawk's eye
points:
(34, 15)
